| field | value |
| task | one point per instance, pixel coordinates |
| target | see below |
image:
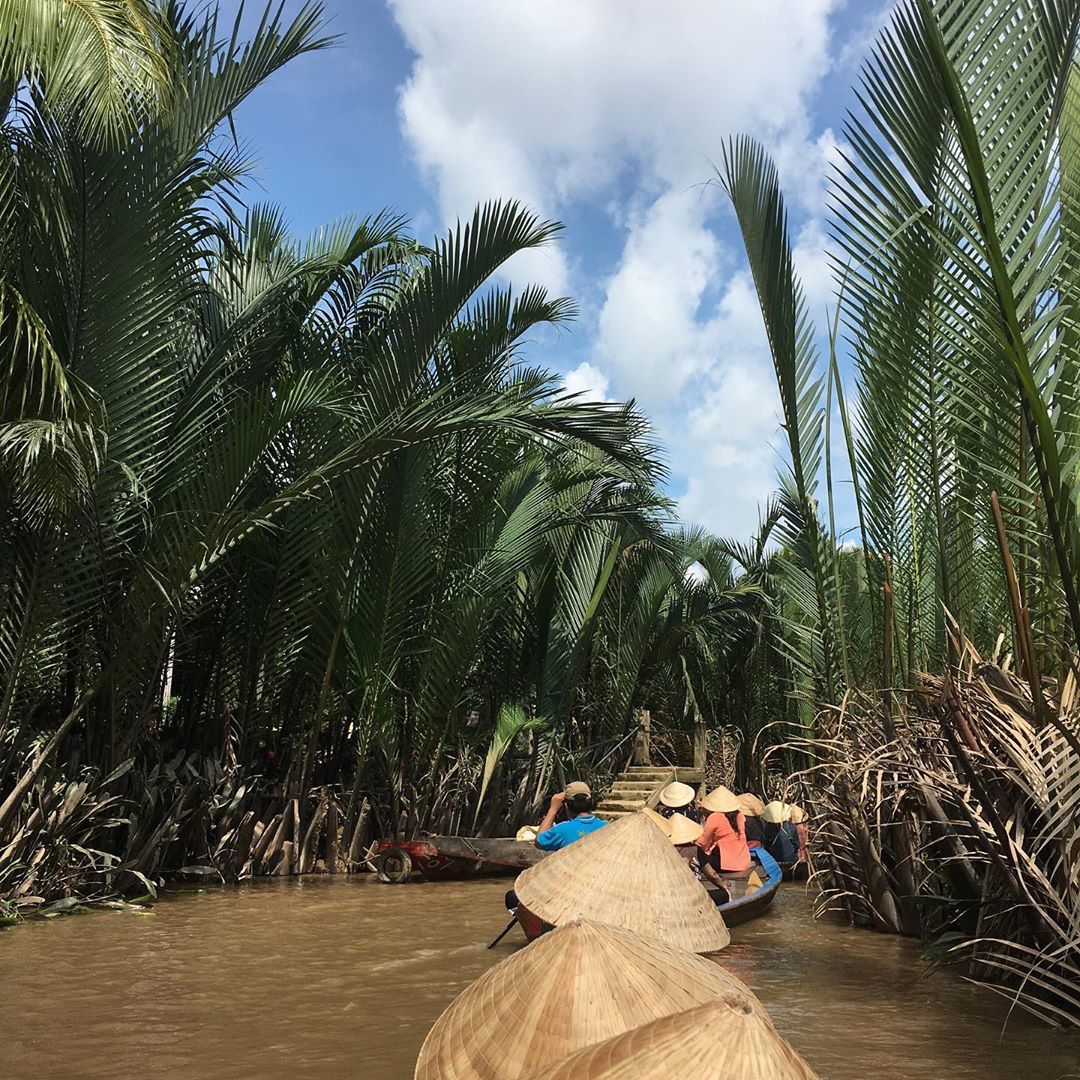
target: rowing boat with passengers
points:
(451, 858)
(750, 894)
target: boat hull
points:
(749, 905)
(453, 858)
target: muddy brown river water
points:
(342, 977)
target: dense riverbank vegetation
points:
(297, 549)
(295, 542)
(948, 803)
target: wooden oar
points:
(506, 930)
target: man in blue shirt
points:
(577, 798)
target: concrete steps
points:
(631, 791)
(635, 787)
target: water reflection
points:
(343, 977)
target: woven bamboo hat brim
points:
(798, 815)
(569, 989)
(720, 800)
(677, 794)
(776, 813)
(750, 805)
(657, 819)
(726, 1038)
(626, 874)
(683, 830)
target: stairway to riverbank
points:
(637, 786)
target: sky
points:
(607, 115)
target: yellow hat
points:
(751, 805)
(776, 813)
(720, 800)
(682, 830)
(526, 834)
(626, 874)
(676, 795)
(727, 1038)
(569, 989)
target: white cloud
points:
(864, 35)
(810, 252)
(621, 106)
(726, 428)
(696, 572)
(587, 380)
(650, 331)
(548, 102)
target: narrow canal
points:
(340, 977)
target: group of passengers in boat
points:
(730, 825)
(733, 824)
(714, 833)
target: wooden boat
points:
(446, 858)
(753, 890)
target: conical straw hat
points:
(626, 874)
(677, 794)
(798, 815)
(750, 804)
(726, 1038)
(571, 988)
(776, 813)
(720, 800)
(657, 819)
(683, 830)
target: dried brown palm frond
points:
(965, 828)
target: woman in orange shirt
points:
(723, 842)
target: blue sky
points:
(605, 114)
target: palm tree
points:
(952, 216)
(106, 60)
(273, 481)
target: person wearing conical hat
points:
(781, 836)
(752, 808)
(627, 874)
(722, 846)
(677, 798)
(577, 801)
(684, 832)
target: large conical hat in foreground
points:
(571, 988)
(727, 1038)
(626, 874)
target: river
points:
(342, 977)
